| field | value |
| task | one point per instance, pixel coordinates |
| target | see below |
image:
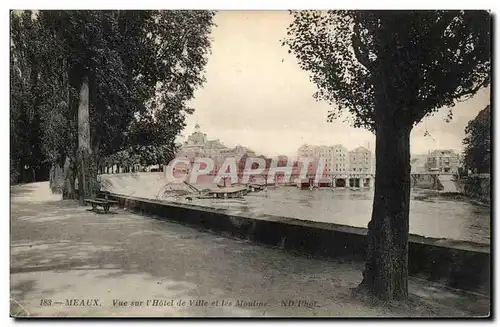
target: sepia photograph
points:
(250, 163)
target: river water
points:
(431, 215)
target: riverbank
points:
(431, 215)
(461, 264)
(477, 188)
(62, 251)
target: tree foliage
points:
(477, 142)
(142, 68)
(420, 61)
(144, 155)
(28, 91)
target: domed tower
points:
(197, 138)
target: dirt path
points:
(69, 261)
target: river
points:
(431, 214)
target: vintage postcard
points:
(197, 163)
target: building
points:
(343, 168)
(336, 158)
(305, 151)
(199, 146)
(340, 159)
(360, 160)
(418, 163)
(195, 146)
(443, 161)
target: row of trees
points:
(142, 156)
(88, 87)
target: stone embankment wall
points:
(454, 263)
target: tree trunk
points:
(68, 189)
(386, 270)
(87, 168)
(21, 171)
(52, 178)
(14, 172)
(56, 178)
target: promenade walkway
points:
(116, 263)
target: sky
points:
(257, 96)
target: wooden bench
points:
(104, 203)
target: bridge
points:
(435, 180)
(431, 179)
